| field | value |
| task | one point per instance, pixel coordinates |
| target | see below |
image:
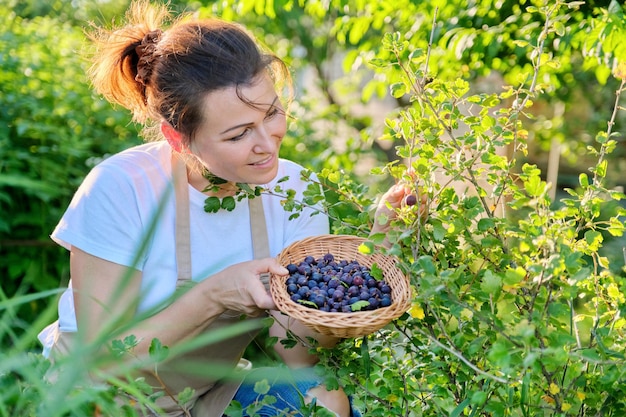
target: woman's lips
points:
(269, 161)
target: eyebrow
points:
(272, 105)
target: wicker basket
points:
(339, 324)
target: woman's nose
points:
(265, 141)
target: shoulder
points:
(135, 164)
(141, 156)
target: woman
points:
(212, 94)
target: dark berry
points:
(385, 301)
(304, 291)
(411, 200)
(319, 300)
(357, 280)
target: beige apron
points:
(211, 397)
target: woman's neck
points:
(198, 180)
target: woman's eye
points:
(241, 135)
(273, 112)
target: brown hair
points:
(165, 75)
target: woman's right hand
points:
(239, 286)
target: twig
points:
(460, 356)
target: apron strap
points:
(183, 239)
(258, 228)
(260, 241)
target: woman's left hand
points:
(389, 203)
(387, 210)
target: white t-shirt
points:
(127, 203)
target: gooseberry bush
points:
(516, 310)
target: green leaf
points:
(491, 283)
(289, 343)
(559, 28)
(398, 90)
(594, 239)
(616, 227)
(513, 276)
(228, 203)
(245, 188)
(416, 53)
(534, 186)
(262, 387)
(131, 341)
(186, 395)
(157, 351)
(601, 168)
(307, 303)
(486, 224)
(378, 63)
(212, 205)
(603, 72)
(500, 353)
(118, 348)
(376, 271)
(359, 305)
(458, 410)
(520, 43)
(439, 231)
(426, 263)
(478, 398)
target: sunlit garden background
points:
(507, 116)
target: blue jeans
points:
(289, 387)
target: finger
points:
(270, 265)
(278, 269)
(398, 195)
(264, 301)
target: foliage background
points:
(53, 129)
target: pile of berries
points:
(336, 286)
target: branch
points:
(460, 356)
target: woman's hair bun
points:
(146, 55)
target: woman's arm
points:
(105, 294)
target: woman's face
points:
(239, 142)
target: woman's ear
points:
(174, 138)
